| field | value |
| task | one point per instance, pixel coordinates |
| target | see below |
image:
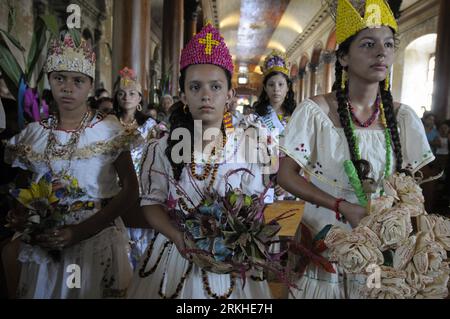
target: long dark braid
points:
(362, 166)
(391, 121)
(180, 118)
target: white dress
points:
(165, 273)
(320, 148)
(140, 237)
(276, 126)
(102, 259)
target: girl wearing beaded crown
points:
(205, 82)
(355, 133)
(79, 156)
(276, 102)
(128, 108)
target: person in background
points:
(428, 120)
(166, 103)
(106, 105)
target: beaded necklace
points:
(54, 148)
(351, 173)
(209, 170)
(131, 125)
(370, 120)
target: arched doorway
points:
(316, 87)
(294, 78)
(418, 74)
(329, 58)
(302, 79)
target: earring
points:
(344, 79)
(186, 109)
(387, 82)
(139, 108)
(228, 121)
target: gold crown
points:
(349, 22)
(66, 56)
(128, 80)
(275, 62)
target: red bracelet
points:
(336, 208)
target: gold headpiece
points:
(66, 56)
(349, 22)
(275, 62)
(128, 80)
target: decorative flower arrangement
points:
(409, 246)
(228, 234)
(42, 205)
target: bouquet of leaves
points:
(408, 246)
(40, 207)
(228, 233)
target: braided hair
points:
(363, 166)
(288, 106)
(181, 119)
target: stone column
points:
(172, 42)
(441, 96)
(329, 58)
(312, 88)
(131, 39)
(301, 84)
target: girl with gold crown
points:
(276, 102)
(348, 141)
(79, 162)
(205, 82)
(128, 108)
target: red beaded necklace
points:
(371, 119)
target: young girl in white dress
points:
(206, 85)
(358, 121)
(276, 102)
(89, 152)
(128, 108)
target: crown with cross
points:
(349, 21)
(207, 47)
(66, 56)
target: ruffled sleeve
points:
(258, 144)
(20, 146)
(147, 128)
(416, 150)
(155, 174)
(301, 140)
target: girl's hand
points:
(179, 243)
(17, 218)
(352, 212)
(279, 190)
(58, 239)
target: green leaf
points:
(388, 258)
(9, 66)
(13, 40)
(51, 23)
(37, 45)
(76, 36)
(323, 233)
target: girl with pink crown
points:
(166, 271)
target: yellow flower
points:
(38, 192)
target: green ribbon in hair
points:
(353, 177)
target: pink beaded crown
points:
(207, 47)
